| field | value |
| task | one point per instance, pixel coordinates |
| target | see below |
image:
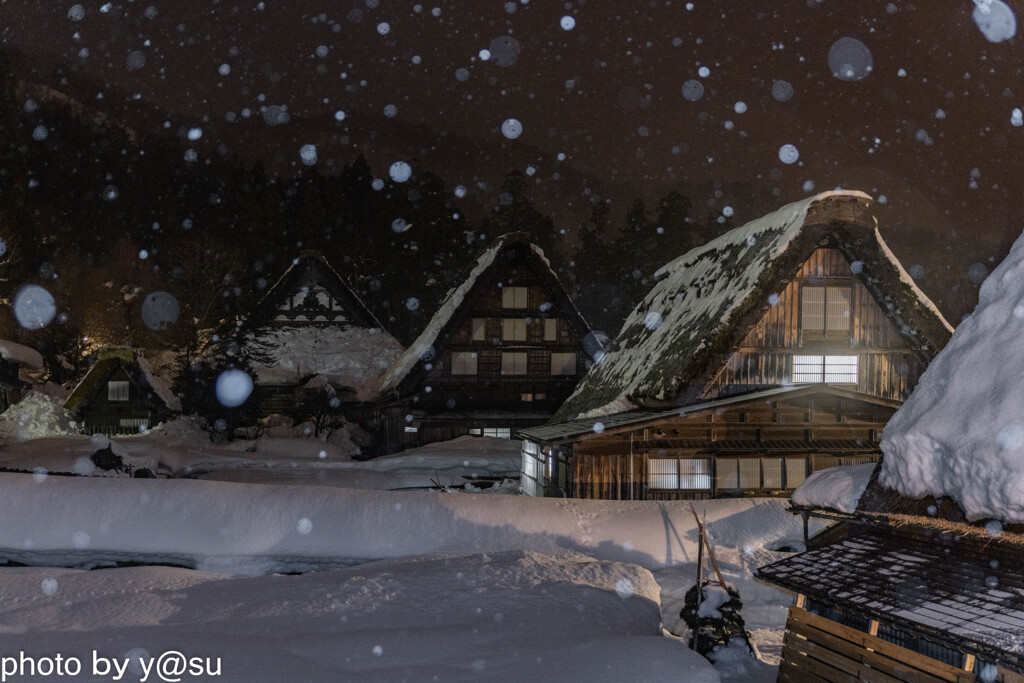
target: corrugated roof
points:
(960, 592)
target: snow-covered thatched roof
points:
(312, 268)
(337, 337)
(427, 344)
(153, 391)
(706, 300)
(961, 433)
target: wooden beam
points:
(968, 662)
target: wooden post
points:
(968, 662)
(800, 600)
(872, 631)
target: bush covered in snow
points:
(34, 417)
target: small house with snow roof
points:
(922, 578)
(121, 395)
(777, 349)
(504, 350)
(314, 331)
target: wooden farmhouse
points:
(779, 348)
(121, 395)
(504, 351)
(922, 578)
(315, 332)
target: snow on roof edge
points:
(424, 344)
(909, 281)
(673, 278)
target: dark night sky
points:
(929, 128)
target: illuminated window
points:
(563, 363)
(513, 363)
(513, 297)
(551, 329)
(498, 432)
(513, 329)
(463, 363)
(479, 329)
(117, 390)
(824, 369)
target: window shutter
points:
(838, 309)
(812, 311)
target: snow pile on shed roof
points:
(22, 355)
(961, 433)
(423, 347)
(352, 356)
(837, 488)
(157, 384)
(694, 301)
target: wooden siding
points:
(886, 366)
(106, 415)
(445, 404)
(768, 446)
(818, 649)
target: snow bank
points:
(251, 528)
(516, 615)
(836, 488)
(34, 417)
(352, 356)
(961, 432)
(20, 354)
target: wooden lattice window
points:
(825, 311)
(117, 390)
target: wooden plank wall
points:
(818, 649)
(888, 368)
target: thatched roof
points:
(706, 301)
(461, 299)
(312, 268)
(154, 393)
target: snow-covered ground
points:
(514, 615)
(399, 585)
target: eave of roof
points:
(951, 592)
(610, 424)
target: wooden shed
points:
(121, 395)
(783, 345)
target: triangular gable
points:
(409, 369)
(138, 372)
(311, 292)
(707, 300)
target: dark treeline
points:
(103, 217)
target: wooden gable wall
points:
(490, 385)
(886, 365)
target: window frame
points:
(460, 363)
(511, 297)
(119, 394)
(565, 363)
(514, 356)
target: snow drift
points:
(961, 432)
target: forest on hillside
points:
(102, 217)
